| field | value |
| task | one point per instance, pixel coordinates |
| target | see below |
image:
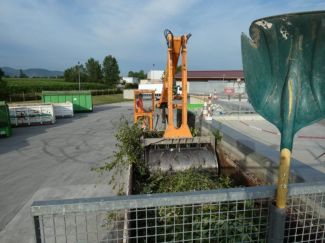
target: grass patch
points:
(17, 85)
(108, 99)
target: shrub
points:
(131, 86)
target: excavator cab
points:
(142, 112)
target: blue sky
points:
(56, 34)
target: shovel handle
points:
(283, 178)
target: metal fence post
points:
(277, 224)
(37, 228)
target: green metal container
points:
(81, 100)
(5, 126)
(194, 106)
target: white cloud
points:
(56, 33)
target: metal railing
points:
(222, 106)
(225, 215)
(235, 107)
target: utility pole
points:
(79, 74)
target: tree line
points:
(93, 72)
(140, 75)
(3, 84)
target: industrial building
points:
(130, 80)
(205, 82)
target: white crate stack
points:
(62, 110)
(31, 114)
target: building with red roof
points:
(213, 81)
(212, 75)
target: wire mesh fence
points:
(221, 105)
(305, 220)
(227, 215)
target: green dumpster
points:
(81, 100)
(194, 106)
(5, 126)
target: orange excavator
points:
(177, 46)
(177, 149)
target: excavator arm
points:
(190, 152)
(177, 46)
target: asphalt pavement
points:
(54, 162)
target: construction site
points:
(214, 156)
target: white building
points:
(205, 82)
(155, 75)
(130, 80)
(144, 81)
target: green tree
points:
(94, 70)
(72, 74)
(178, 69)
(3, 85)
(1, 74)
(140, 75)
(111, 71)
(69, 74)
(21, 74)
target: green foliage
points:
(203, 220)
(72, 74)
(21, 74)
(140, 75)
(194, 179)
(17, 85)
(153, 134)
(3, 85)
(218, 136)
(111, 71)
(1, 74)
(236, 221)
(94, 71)
(228, 221)
(178, 68)
(129, 151)
(195, 132)
(212, 220)
(131, 86)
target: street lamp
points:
(79, 74)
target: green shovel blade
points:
(284, 67)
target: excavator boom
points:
(178, 150)
(177, 46)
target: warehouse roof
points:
(212, 75)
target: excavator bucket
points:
(181, 154)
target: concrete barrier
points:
(239, 117)
(251, 156)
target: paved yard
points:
(308, 147)
(54, 161)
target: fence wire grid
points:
(227, 215)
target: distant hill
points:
(31, 72)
